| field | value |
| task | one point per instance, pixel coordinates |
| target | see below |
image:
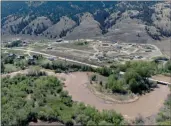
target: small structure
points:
(31, 58)
(138, 57)
(20, 57)
(11, 55)
(59, 40)
(148, 50)
(35, 56)
(51, 58)
(118, 47)
(25, 44)
(105, 44)
(114, 41)
(160, 59)
(49, 47)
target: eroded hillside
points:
(123, 21)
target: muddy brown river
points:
(147, 105)
(76, 84)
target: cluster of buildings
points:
(29, 58)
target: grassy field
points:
(7, 51)
(10, 68)
(76, 45)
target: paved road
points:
(61, 58)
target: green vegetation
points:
(14, 44)
(134, 80)
(11, 62)
(10, 68)
(139, 120)
(93, 77)
(27, 98)
(35, 71)
(60, 66)
(167, 67)
(164, 115)
(81, 43)
(140, 66)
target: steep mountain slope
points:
(162, 18)
(15, 24)
(124, 21)
(37, 26)
(88, 27)
(60, 29)
(125, 28)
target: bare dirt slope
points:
(88, 27)
(127, 29)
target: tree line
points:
(27, 98)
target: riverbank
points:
(76, 84)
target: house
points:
(118, 47)
(148, 50)
(31, 58)
(105, 44)
(20, 57)
(59, 40)
(35, 56)
(11, 55)
(25, 44)
(114, 41)
(51, 58)
(138, 57)
(49, 47)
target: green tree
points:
(91, 123)
(2, 67)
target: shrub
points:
(93, 78)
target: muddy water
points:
(146, 105)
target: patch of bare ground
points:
(43, 123)
(14, 73)
(162, 78)
(164, 46)
(28, 97)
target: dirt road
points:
(149, 104)
(61, 58)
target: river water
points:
(147, 105)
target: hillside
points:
(123, 21)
